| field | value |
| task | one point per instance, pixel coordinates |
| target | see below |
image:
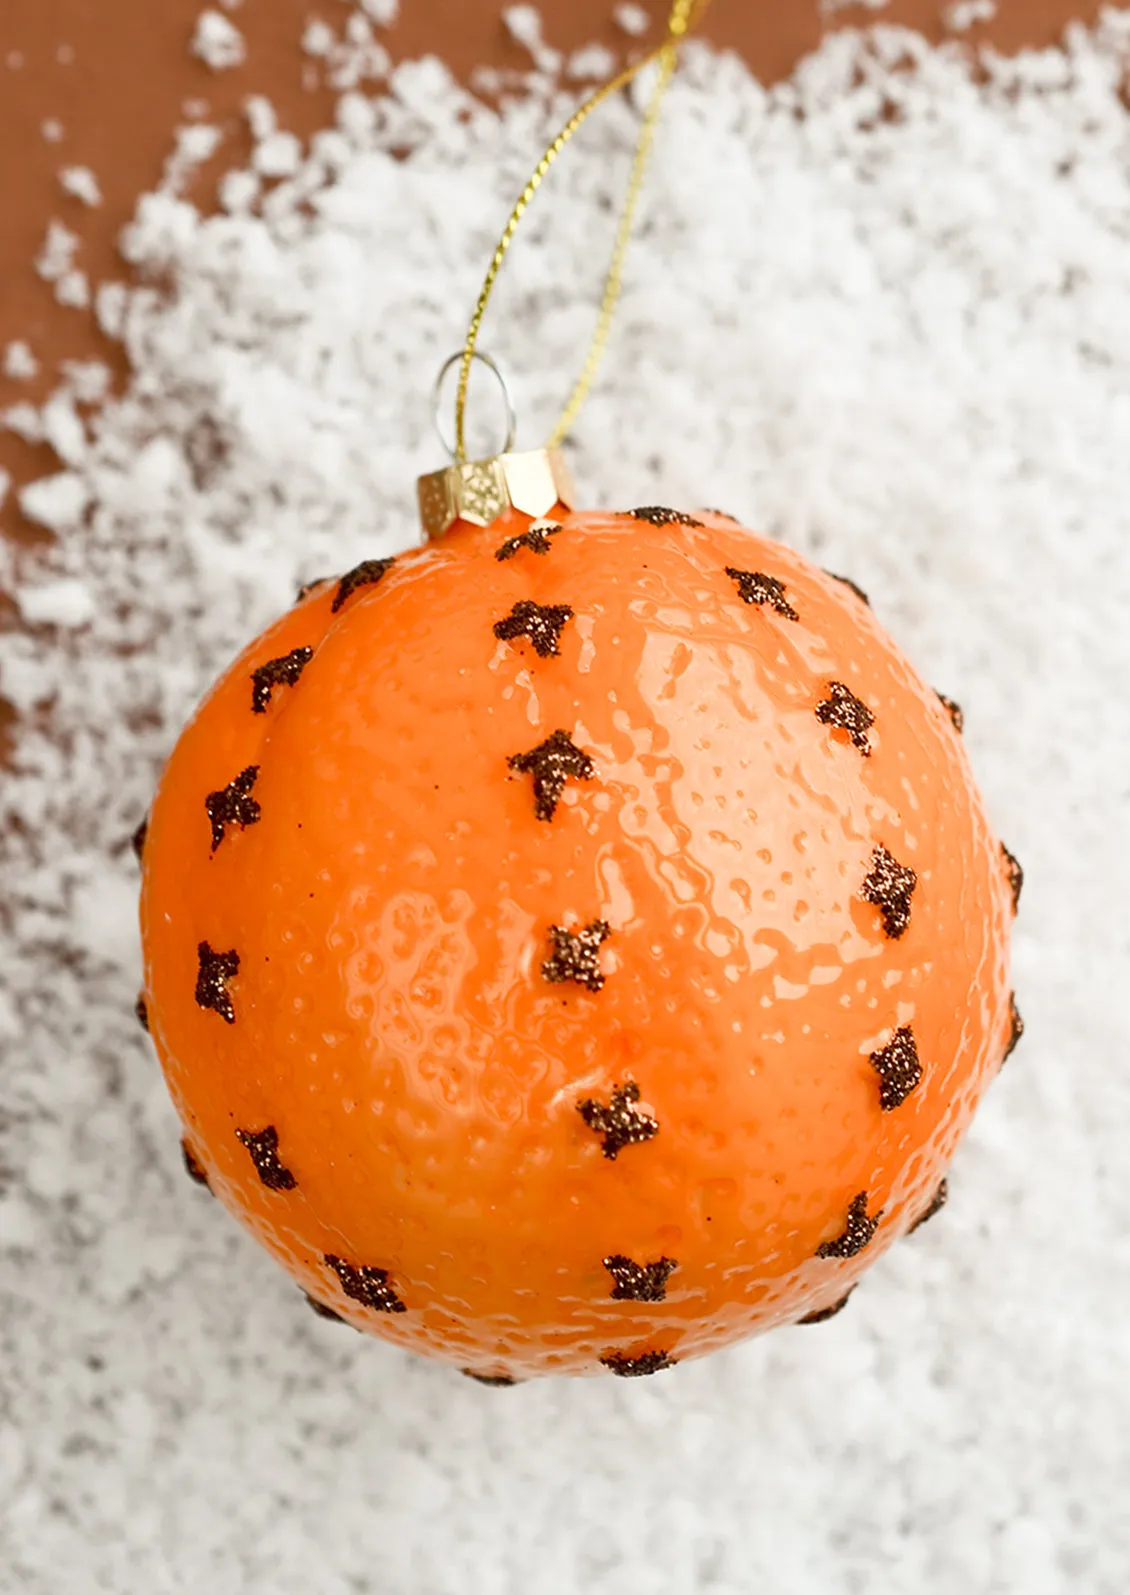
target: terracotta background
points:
(116, 74)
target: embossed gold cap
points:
(479, 491)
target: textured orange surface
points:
(391, 907)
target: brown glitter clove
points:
(216, 969)
(192, 1167)
(754, 587)
(233, 805)
(369, 1286)
(542, 624)
(846, 581)
(575, 955)
(1015, 876)
(141, 1009)
(620, 1123)
(858, 1231)
(551, 764)
(138, 839)
(898, 1068)
(367, 574)
(955, 712)
(535, 538)
(323, 1311)
(826, 1313)
(264, 1148)
(311, 586)
(648, 1362)
(640, 1281)
(890, 886)
(496, 1381)
(657, 515)
(937, 1202)
(282, 672)
(1016, 1027)
(845, 712)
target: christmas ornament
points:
(578, 943)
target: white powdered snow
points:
(56, 257)
(19, 361)
(81, 183)
(882, 311)
(965, 14)
(631, 18)
(218, 42)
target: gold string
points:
(685, 14)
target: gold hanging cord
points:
(685, 15)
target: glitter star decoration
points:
(648, 1362)
(542, 624)
(845, 712)
(576, 954)
(657, 515)
(639, 1281)
(898, 1067)
(620, 1122)
(826, 1313)
(535, 538)
(1015, 1027)
(937, 1202)
(367, 574)
(263, 1146)
(233, 805)
(282, 672)
(551, 764)
(858, 1232)
(890, 886)
(754, 587)
(846, 581)
(369, 1286)
(192, 1166)
(1015, 875)
(955, 712)
(216, 969)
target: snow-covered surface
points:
(883, 312)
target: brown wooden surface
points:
(116, 74)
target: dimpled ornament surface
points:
(599, 953)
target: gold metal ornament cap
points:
(479, 491)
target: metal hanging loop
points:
(437, 402)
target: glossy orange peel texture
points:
(579, 959)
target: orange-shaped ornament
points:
(576, 944)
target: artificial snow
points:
(67, 602)
(81, 183)
(73, 289)
(56, 258)
(218, 42)
(965, 14)
(56, 502)
(524, 25)
(631, 18)
(19, 362)
(882, 311)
